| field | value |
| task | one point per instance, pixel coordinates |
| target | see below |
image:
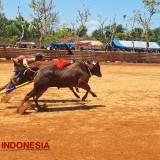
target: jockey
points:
(21, 63)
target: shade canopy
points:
(90, 43)
(83, 43)
(137, 44)
(62, 44)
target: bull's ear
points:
(97, 62)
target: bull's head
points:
(95, 68)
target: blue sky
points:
(68, 10)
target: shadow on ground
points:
(65, 109)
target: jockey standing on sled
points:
(21, 64)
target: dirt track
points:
(122, 123)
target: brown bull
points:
(75, 75)
(29, 74)
(25, 77)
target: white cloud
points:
(91, 26)
(93, 22)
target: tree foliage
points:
(144, 20)
(43, 30)
(44, 17)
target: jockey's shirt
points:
(25, 60)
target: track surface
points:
(122, 123)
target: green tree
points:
(82, 31)
(137, 34)
(97, 34)
(155, 35)
(101, 31)
(108, 33)
(20, 22)
(120, 28)
(1, 7)
(3, 24)
(81, 20)
(66, 31)
(34, 30)
(44, 17)
(49, 38)
(121, 36)
(12, 32)
(152, 8)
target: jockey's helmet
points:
(39, 55)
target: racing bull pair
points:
(75, 75)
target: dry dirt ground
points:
(122, 123)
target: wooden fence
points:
(110, 56)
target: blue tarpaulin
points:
(117, 44)
(62, 44)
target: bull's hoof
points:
(17, 111)
(22, 109)
(94, 95)
(78, 96)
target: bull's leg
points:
(77, 90)
(35, 98)
(71, 88)
(32, 93)
(85, 96)
(36, 102)
(86, 87)
(93, 94)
